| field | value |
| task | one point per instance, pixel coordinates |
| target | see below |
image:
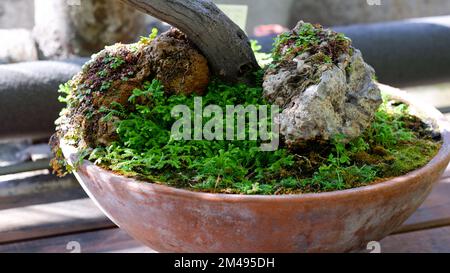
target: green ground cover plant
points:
(395, 143)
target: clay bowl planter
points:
(174, 220)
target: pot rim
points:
(442, 157)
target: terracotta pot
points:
(174, 220)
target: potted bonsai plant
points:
(151, 130)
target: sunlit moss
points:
(395, 144)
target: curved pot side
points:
(175, 220)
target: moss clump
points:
(325, 45)
(146, 149)
(395, 144)
(410, 156)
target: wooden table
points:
(56, 226)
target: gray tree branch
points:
(223, 43)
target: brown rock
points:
(112, 75)
(179, 66)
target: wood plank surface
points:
(37, 187)
(434, 212)
(51, 219)
(424, 241)
(47, 197)
(117, 241)
(103, 241)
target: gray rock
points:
(342, 100)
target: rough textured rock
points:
(179, 66)
(324, 89)
(112, 75)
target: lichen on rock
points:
(322, 84)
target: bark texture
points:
(224, 44)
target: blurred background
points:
(21, 13)
(43, 43)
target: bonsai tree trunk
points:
(224, 44)
(66, 28)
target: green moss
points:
(105, 86)
(395, 143)
(102, 73)
(147, 40)
(392, 146)
(146, 149)
(313, 39)
(410, 156)
(114, 62)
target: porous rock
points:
(178, 65)
(110, 77)
(323, 92)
